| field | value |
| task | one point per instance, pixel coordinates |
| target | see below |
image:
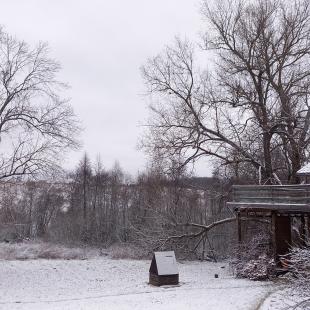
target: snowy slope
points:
(107, 284)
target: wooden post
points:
(239, 227)
(273, 235)
(281, 235)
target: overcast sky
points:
(101, 45)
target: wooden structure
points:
(164, 270)
(278, 206)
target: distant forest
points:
(100, 207)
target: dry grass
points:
(28, 250)
(41, 250)
(126, 251)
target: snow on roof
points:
(166, 263)
(305, 170)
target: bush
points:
(127, 251)
(299, 265)
(253, 259)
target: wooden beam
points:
(273, 236)
(239, 227)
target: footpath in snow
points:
(107, 284)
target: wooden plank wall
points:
(289, 194)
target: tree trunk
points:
(267, 171)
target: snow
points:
(106, 284)
(166, 263)
(286, 298)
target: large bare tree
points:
(36, 125)
(251, 108)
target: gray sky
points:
(101, 45)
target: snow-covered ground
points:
(286, 299)
(106, 284)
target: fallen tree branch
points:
(203, 230)
(210, 226)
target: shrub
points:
(253, 259)
(127, 251)
(299, 265)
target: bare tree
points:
(253, 105)
(264, 51)
(36, 124)
(81, 194)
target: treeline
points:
(101, 207)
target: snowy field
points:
(106, 284)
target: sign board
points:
(166, 263)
